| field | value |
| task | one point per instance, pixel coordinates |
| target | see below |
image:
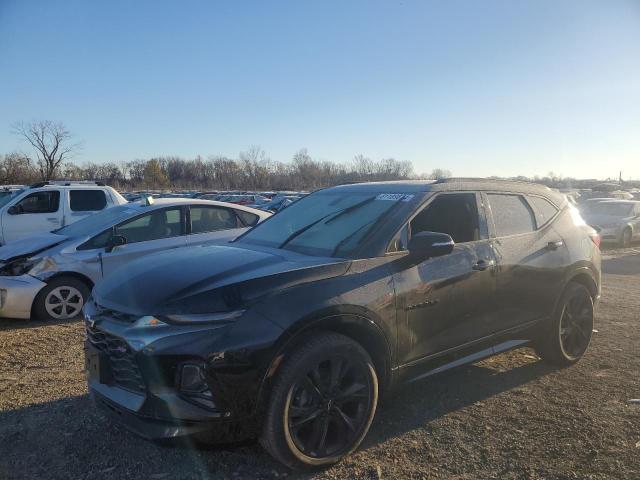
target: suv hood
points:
(208, 279)
(30, 246)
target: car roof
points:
(84, 186)
(451, 184)
(171, 202)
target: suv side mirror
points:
(430, 244)
(14, 210)
(115, 241)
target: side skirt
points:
(474, 357)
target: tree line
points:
(52, 149)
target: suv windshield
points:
(613, 209)
(326, 224)
(98, 221)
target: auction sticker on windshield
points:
(394, 197)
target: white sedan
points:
(50, 276)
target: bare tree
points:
(51, 141)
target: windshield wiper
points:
(334, 215)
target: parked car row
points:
(268, 201)
(292, 332)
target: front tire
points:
(566, 338)
(62, 299)
(322, 403)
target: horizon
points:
(459, 86)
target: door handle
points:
(554, 245)
(53, 219)
(482, 265)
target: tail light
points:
(595, 238)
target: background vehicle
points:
(47, 206)
(615, 220)
(50, 276)
(292, 331)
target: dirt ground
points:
(509, 417)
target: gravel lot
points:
(507, 417)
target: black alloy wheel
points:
(322, 403)
(576, 324)
(567, 336)
(328, 407)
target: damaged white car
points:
(50, 276)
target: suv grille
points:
(124, 369)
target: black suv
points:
(292, 332)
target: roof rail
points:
(67, 183)
(480, 179)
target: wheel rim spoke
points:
(336, 372)
(319, 435)
(328, 406)
(346, 419)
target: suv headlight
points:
(218, 317)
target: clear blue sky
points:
(477, 87)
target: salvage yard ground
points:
(511, 416)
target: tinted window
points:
(99, 241)
(543, 209)
(87, 200)
(453, 214)
(330, 223)
(40, 202)
(249, 219)
(153, 226)
(511, 214)
(209, 219)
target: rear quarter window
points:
(542, 209)
(87, 200)
(249, 219)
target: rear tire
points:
(62, 299)
(322, 403)
(565, 339)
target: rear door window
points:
(511, 214)
(152, 226)
(209, 219)
(87, 200)
(543, 210)
(40, 202)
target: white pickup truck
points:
(47, 206)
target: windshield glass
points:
(326, 224)
(98, 221)
(613, 209)
(5, 197)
